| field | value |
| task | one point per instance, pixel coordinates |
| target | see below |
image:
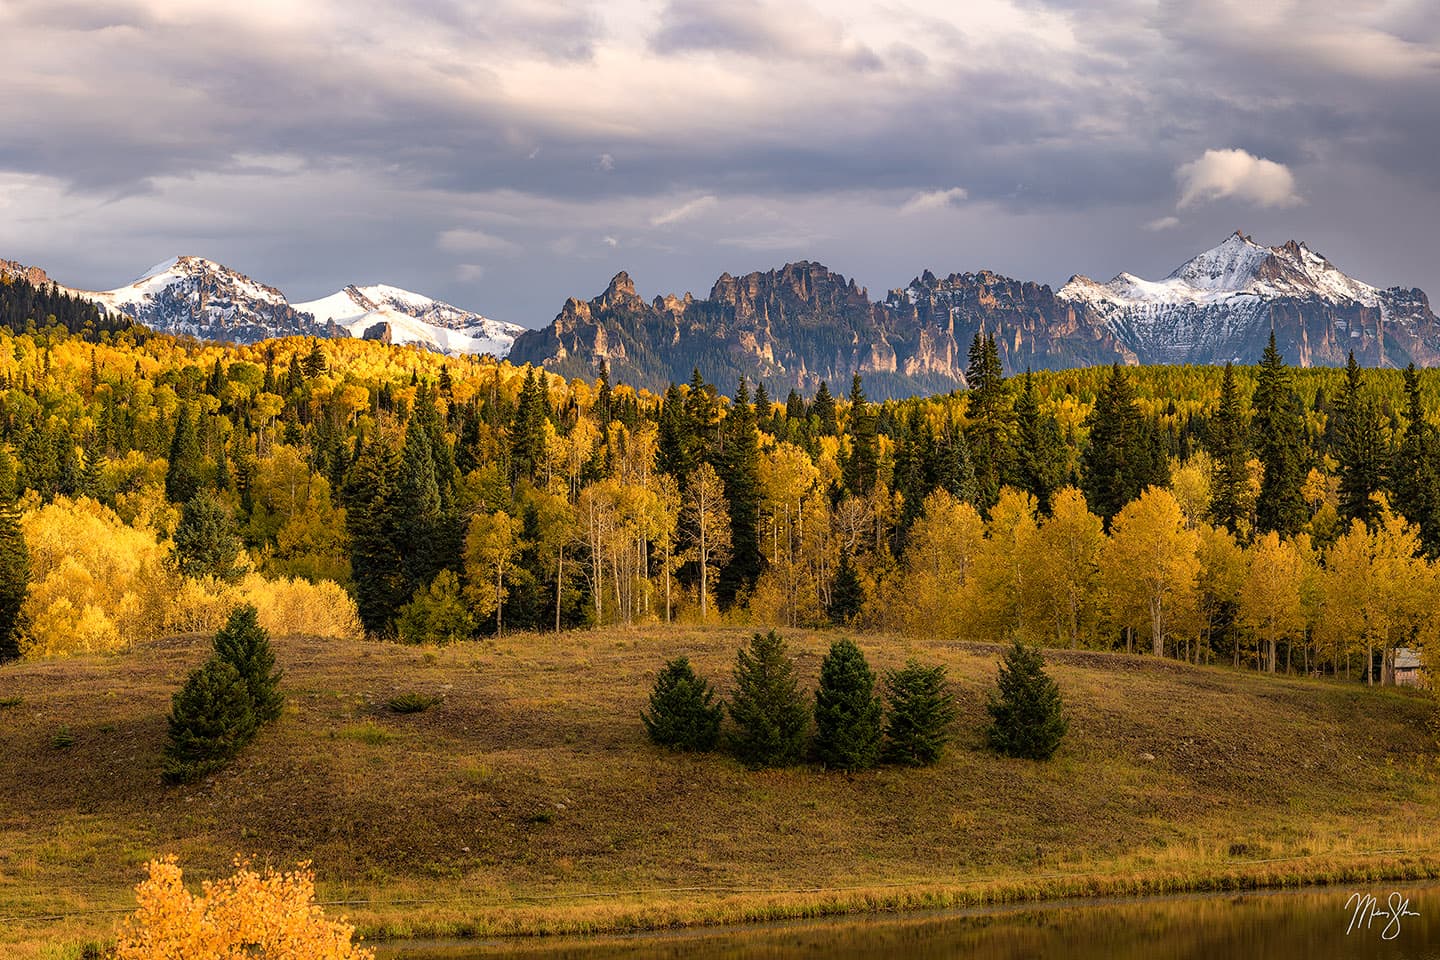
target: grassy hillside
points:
(530, 800)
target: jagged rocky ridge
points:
(803, 323)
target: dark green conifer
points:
(1415, 479)
(1361, 448)
(739, 470)
(991, 418)
(372, 519)
(862, 465)
(183, 473)
(210, 720)
(768, 708)
(1039, 459)
(1230, 453)
(1026, 715)
(1278, 430)
(244, 645)
(847, 593)
(206, 542)
(823, 409)
(14, 577)
(1122, 456)
(921, 710)
(847, 710)
(683, 713)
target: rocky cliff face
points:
(803, 323)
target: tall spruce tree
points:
(1415, 476)
(1230, 453)
(847, 593)
(767, 706)
(683, 714)
(1026, 716)
(847, 710)
(14, 576)
(1361, 450)
(1039, 461)
(1278, 429)
(373, 520)
(183, 472)
(954, 471)
(991, 418)
(920, 713)
(862, 466)
(418, 511)
(210, 720)
(206, 541)
(823, 409)
(739, 470)
(1122, 456)
(244, 645)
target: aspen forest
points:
(1268, 518)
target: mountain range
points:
(803, 323)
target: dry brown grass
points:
(529, 800)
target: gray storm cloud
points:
(505, 155)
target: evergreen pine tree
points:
(1026, 717)
(605, 396)
(675, 444)
(847, 593)
(954, 471)
(921, 712)
(1415, 479)
(418, 512)
(223, 479)
(1230, 452)
(244, 645)
(1361, 449)
(823, 410)
(682, 714)
(314, 363)
(847, 710)
(768, 708)
(206, 543)
(372, 519)
(182, 474)
(990, 416)
(1039, 461)
(863, 464)
(1278, 430)
(210, 720)
(1122, 456)
(14, 578)
(739, 470)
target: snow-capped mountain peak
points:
(413, 318)
(1227, 268)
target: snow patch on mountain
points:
(414, 318)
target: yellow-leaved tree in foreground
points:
(270, 914)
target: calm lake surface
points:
(1291, 925)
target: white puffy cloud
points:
(469, 240)
(1218, 174)
(1162, 223)
(934, 200)
(685, 211)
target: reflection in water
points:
(1307, 925)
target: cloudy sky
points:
(505, 154)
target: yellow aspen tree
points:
(1270, 600)
(1065, 559)
(939, 558)
(491, 544)
(1150, 565)
(708, 528)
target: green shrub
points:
(246, 646)
(437, 614)
(412, 702)
(768, 708)
(682, 714)
(921, 711)
(63, 739)
(847, 711)
(210, 720)
(1026, 719)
